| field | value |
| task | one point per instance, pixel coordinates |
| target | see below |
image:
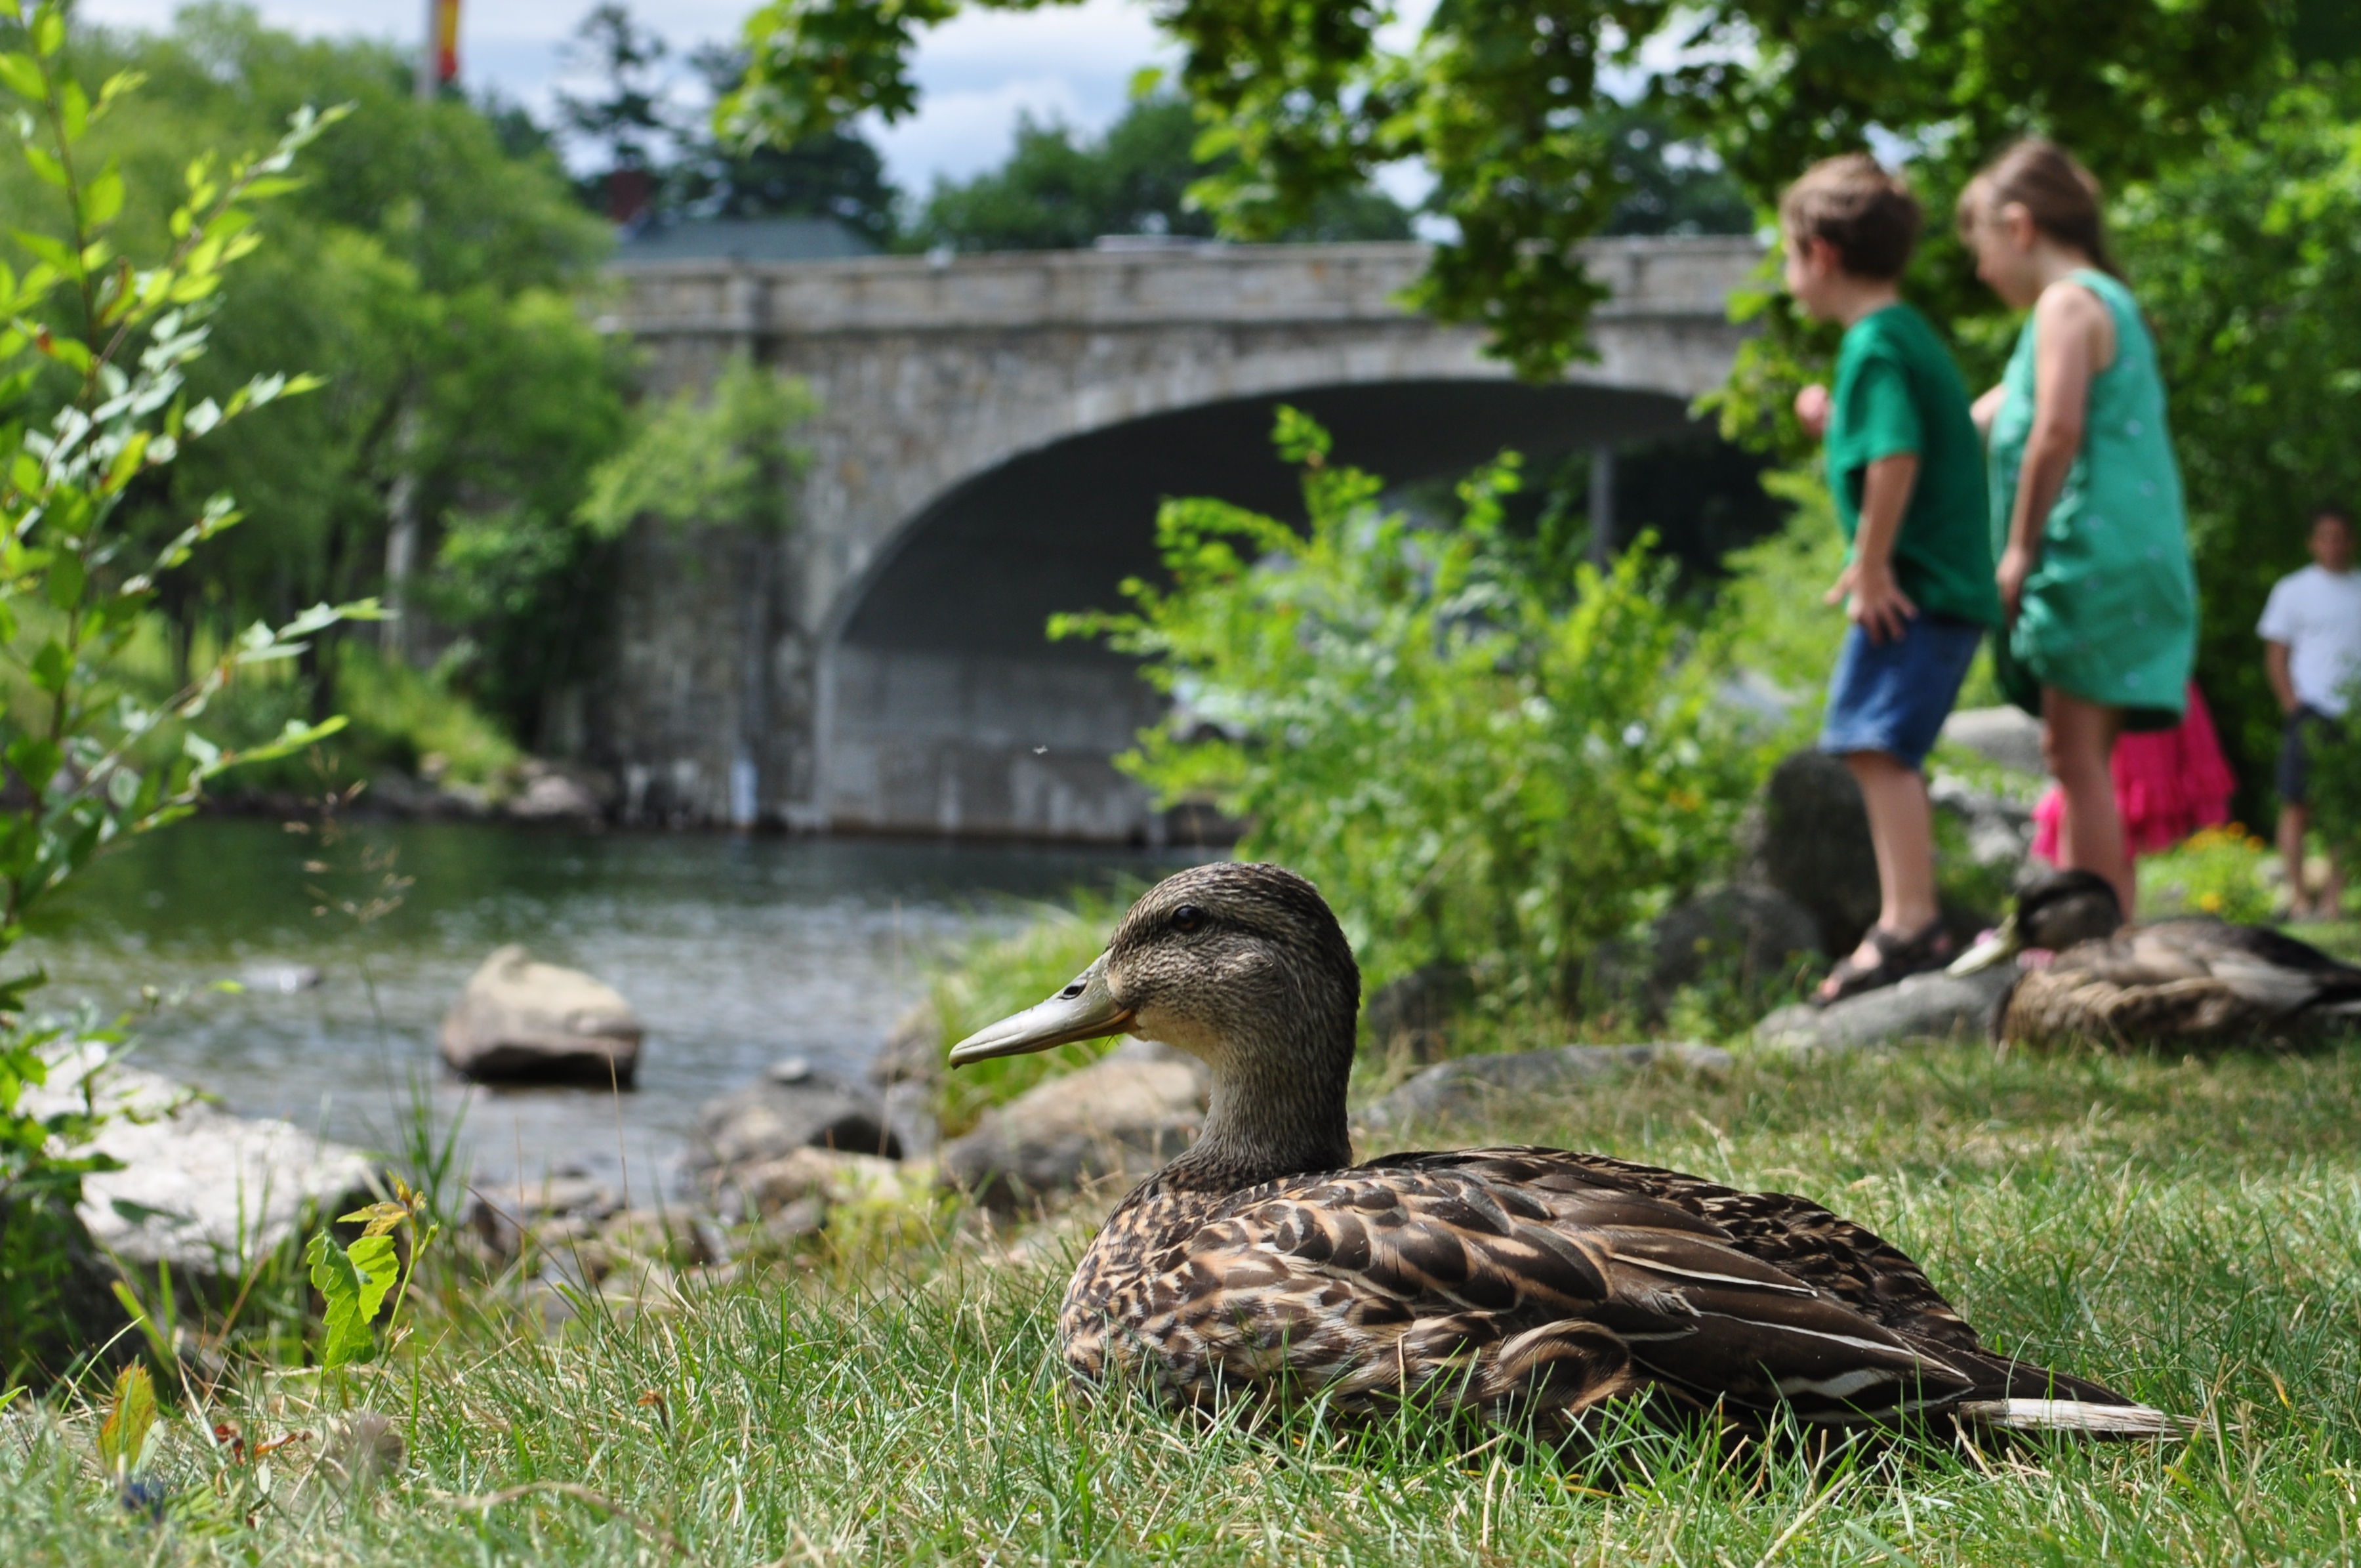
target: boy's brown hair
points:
(1853, 203)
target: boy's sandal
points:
(1898, 958)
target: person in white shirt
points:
(2311, 648)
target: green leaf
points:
(22, 76)
(36, 759)
(125, 1433)
(102, 200)
(46, 167)
(52, 667)
(346, 1339)
(57, 253)
(68, 577)
(49, 30)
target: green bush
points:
(95, 404)
(2215, 871)
(412, 719)
(1469, 766)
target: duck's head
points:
(2054, 914)
(1245, 968)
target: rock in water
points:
(1123, 1115)
(1814, 846)
(522, 1022)
(773, 1118)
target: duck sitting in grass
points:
(2195, 981)
(1517, 1284)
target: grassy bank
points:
(2188, 1230)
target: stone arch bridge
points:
(994, 436)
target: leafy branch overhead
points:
(94, 348)
(1510, 104)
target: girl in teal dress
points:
(2087, 515)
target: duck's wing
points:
(2258, 966)
(1794, 1234)
(1465, 1274)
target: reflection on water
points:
(735, 951)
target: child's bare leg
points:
(1902, 830)
(2076, 740)
(2293, 820)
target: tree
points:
(2245, 264)
(836, 174)
(1059, 192)
(422, 266)
(626, 114)
(1505, 104)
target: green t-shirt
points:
(1897, 391)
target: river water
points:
(737, 952)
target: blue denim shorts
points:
(1893, 697)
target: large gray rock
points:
(2007, 735)
(205, 1191)
(1812, 844)
(1123, 1116)
(520, 1021)
(1999, 830)
(1478, 1086)
(1924, 1007)
(792, 1107)
(1415, 1011)
(1748, 934)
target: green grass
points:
(2188, 1230)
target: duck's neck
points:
(1277, 1109)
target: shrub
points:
(2214, 871)
(1468, 765)
(93, 360)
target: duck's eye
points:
(1188, 918)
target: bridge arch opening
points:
(942, 704)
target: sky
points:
(975, 74)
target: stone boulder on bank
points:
(207, 1193)
(1119, 1119)
(1489, 1085)
(1811, 843)
(1924, 1007)
(523, 1021)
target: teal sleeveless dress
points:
(2110, 611)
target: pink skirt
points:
(2169, 783)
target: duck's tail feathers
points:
(2082, 1417)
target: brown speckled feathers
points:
(2192, 981)
(1526, 1282)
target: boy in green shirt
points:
(1907, 471)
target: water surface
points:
(736, 951)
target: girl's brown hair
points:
(2055, 191)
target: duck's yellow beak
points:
(2003, 944)
(1083, 1011)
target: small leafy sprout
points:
(355, 1280)
(124, 1436)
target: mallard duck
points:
(1508, 1283)
(2194, 981)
